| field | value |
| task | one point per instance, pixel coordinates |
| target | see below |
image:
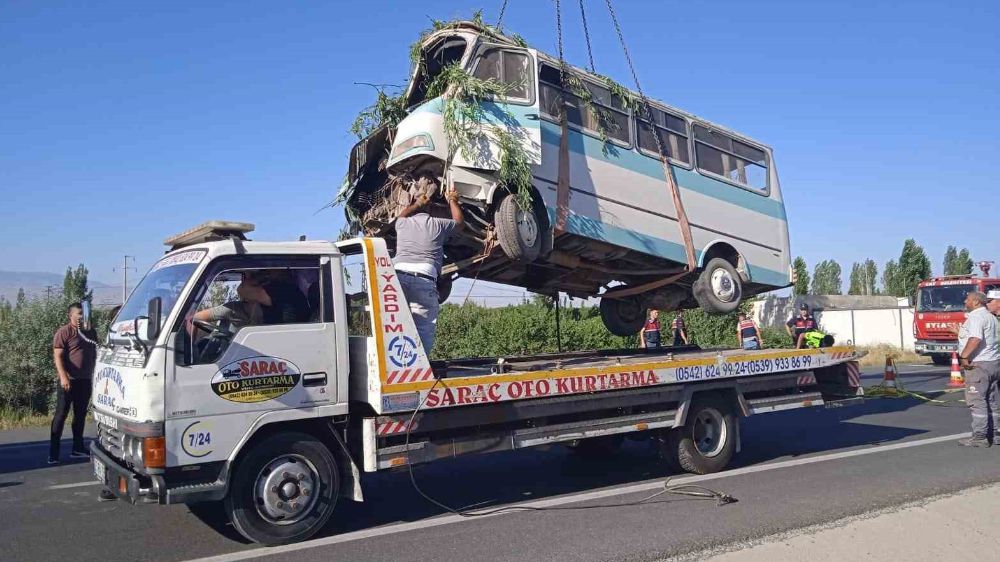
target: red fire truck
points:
(940, 310)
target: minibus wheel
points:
(624, 316)
(518, 231)
(719, 288)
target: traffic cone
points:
(889, 378)
(957, 380)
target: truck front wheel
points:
(707, 441)
(284, 490)
(942, 360)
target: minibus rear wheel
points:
(719, 288)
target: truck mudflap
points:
(124, 483)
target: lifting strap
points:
(562, 181)
(668, 171)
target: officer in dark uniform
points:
(800, 324)
(649, 337)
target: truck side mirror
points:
(154, 313)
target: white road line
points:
(73, 485)
(586, 496)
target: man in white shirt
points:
(419, 255)
(980, 357)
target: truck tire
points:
(942, 360)
(707, 441)
(719, 288)
(623, 317)
(518, 231)
(283, 490)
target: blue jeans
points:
(422, 296)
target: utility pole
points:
(48, 292)
(125, 268)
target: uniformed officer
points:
(748, 334)
(649, 337)
(800, 324)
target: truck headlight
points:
(412, 143)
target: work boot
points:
(974, 442)
(106, 495)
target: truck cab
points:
(175, 396)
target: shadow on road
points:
(33, 455)
(505, 478)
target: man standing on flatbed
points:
(420, 242)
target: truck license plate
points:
(100, 471)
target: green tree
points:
(863, 278)
(826, 278)
(891, 280)
(914, 267)
(963, 263)
(950, 255)
(75, 285)
(854, 285)
(801, 277)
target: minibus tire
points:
(688, 452)
(514, 240)
(710, 299)
(942, 360)
(278, 463)
(623, 317)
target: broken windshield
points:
(434, 58)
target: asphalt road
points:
(796, 469)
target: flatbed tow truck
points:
(278, 421)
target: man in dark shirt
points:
(679, 329)
(74, 349)
(800, 324)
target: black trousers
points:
(78, 397)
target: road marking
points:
(576, 498)
(74, 485)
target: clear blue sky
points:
(122, 123)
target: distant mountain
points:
(35, 283)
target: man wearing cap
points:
(980, 357)
(800, 324)
(993, 302)
(420, 242)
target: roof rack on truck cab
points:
(210, 231)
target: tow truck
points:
(280, 420)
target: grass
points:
(14, 419)
(877, 354)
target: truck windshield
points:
(166, 279)
(950, 298)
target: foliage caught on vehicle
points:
(388, 109)
(474, 113)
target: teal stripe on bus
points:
(631, 160)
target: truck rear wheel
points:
(623, 317)
(707, 441)
(284, 490)
(719, 288)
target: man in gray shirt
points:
(420, 242)
(980, 357)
